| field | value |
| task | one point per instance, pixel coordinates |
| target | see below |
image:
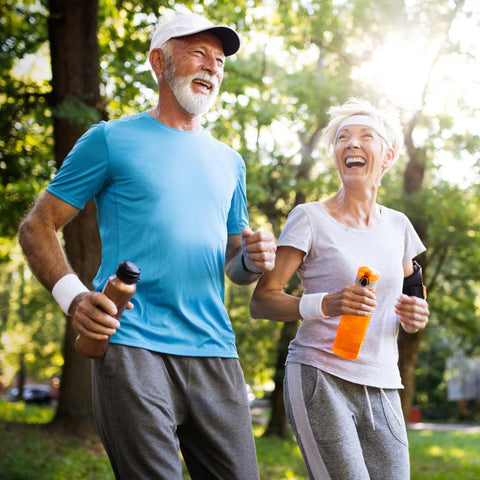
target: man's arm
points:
(38, 236)
(92, 312)
(249, 255)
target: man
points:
(171, 199)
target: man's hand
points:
(258, 250)
(93, 315)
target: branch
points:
(453, 14)
(442, 257)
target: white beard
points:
(193, 103)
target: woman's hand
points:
(351, 300)
(413, 313)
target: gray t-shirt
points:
(333, 253)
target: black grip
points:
(413, 284)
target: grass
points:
(30, 449)
(444, 455)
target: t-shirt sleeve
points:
(84, 170)
(297, 231)
(238, 213)
(413, 244)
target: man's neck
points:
(175, 117)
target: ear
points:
(156, 59)
(388, 158)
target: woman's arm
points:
(269, 301)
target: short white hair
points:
(356, 106)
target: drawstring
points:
(391, 407)
(388, 402)
(369, 406)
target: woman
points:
(346, 414)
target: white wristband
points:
(311, 306)
(66, 289)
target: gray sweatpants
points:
(148, 406)
(346, 431)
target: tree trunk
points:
(72, 30)
(22, 375)
(409, 344)
(82, 244)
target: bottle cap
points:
(367, 277)
(128, 272)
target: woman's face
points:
(361, 156)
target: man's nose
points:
(211, 65)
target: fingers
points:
(259, 248)
(93, 316)
(351, 300)
(413, 312)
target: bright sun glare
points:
(400, 68)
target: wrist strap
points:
(66, 289)
(311, 306)
(413, 284)
(250, 269)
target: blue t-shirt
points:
(166, 200)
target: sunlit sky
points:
(399, 69)
(401, 66)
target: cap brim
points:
(229, 37)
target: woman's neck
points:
(354, 209)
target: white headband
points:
(368, 122)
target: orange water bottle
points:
(352, 329)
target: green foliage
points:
(24, 137)
(75, 111)
(256, 339)
(17, 36)
(452, 217)
(21, 412)
(31, 326)
(431, 396)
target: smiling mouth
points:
(351, 162)
(203, 83)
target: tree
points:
(414, 176)
(72, 29)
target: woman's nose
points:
(353, 142)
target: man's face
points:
(193, 70)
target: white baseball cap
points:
(183, 24)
